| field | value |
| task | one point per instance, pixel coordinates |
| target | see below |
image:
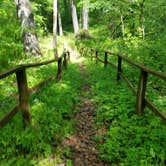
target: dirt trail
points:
(81, 143)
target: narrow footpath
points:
(82, 144)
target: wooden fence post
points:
(23, 96)
(65, 61)
(82, 51)
(140, 102)
(119, 68)
(68, 54)
(105, 59)
(59, 72)
(96, 57)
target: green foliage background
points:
(129, 139)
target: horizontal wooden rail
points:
(147, 102)
(113, 65)
(24, 91)
(9, 72)
(36, 87)
(155, 110)
(19, 67)
(6, 118)
(31, 90)
(41, 84)
(100, 60)
(129, 83)
(40, 64)
(141, 100)
(140, 66)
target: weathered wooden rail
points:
(24, 91)
(141, 100)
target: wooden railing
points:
(24, 91)
(141, 100)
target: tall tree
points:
(55, 20)
(123, 27)
(74, 17)
(29, 35)
(60, 21)
(67, 13)
(142, 18)
(85, 14)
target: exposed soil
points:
(82, 143)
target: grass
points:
(128, 139)
(51, 109)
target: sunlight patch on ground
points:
(75, 57)
(51, 162)
(74, 54)
(64, 43)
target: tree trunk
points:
(67, 10)
(85, 14)
(60, 21)
(30, 40)
(74, 17)
(142, 19)
(123, 27)
(118, 26)
(55, 20)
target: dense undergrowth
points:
(149, 52)
(124, 138)
(51, 109)
(127, 139)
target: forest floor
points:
(81, 143)
(89, 119)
